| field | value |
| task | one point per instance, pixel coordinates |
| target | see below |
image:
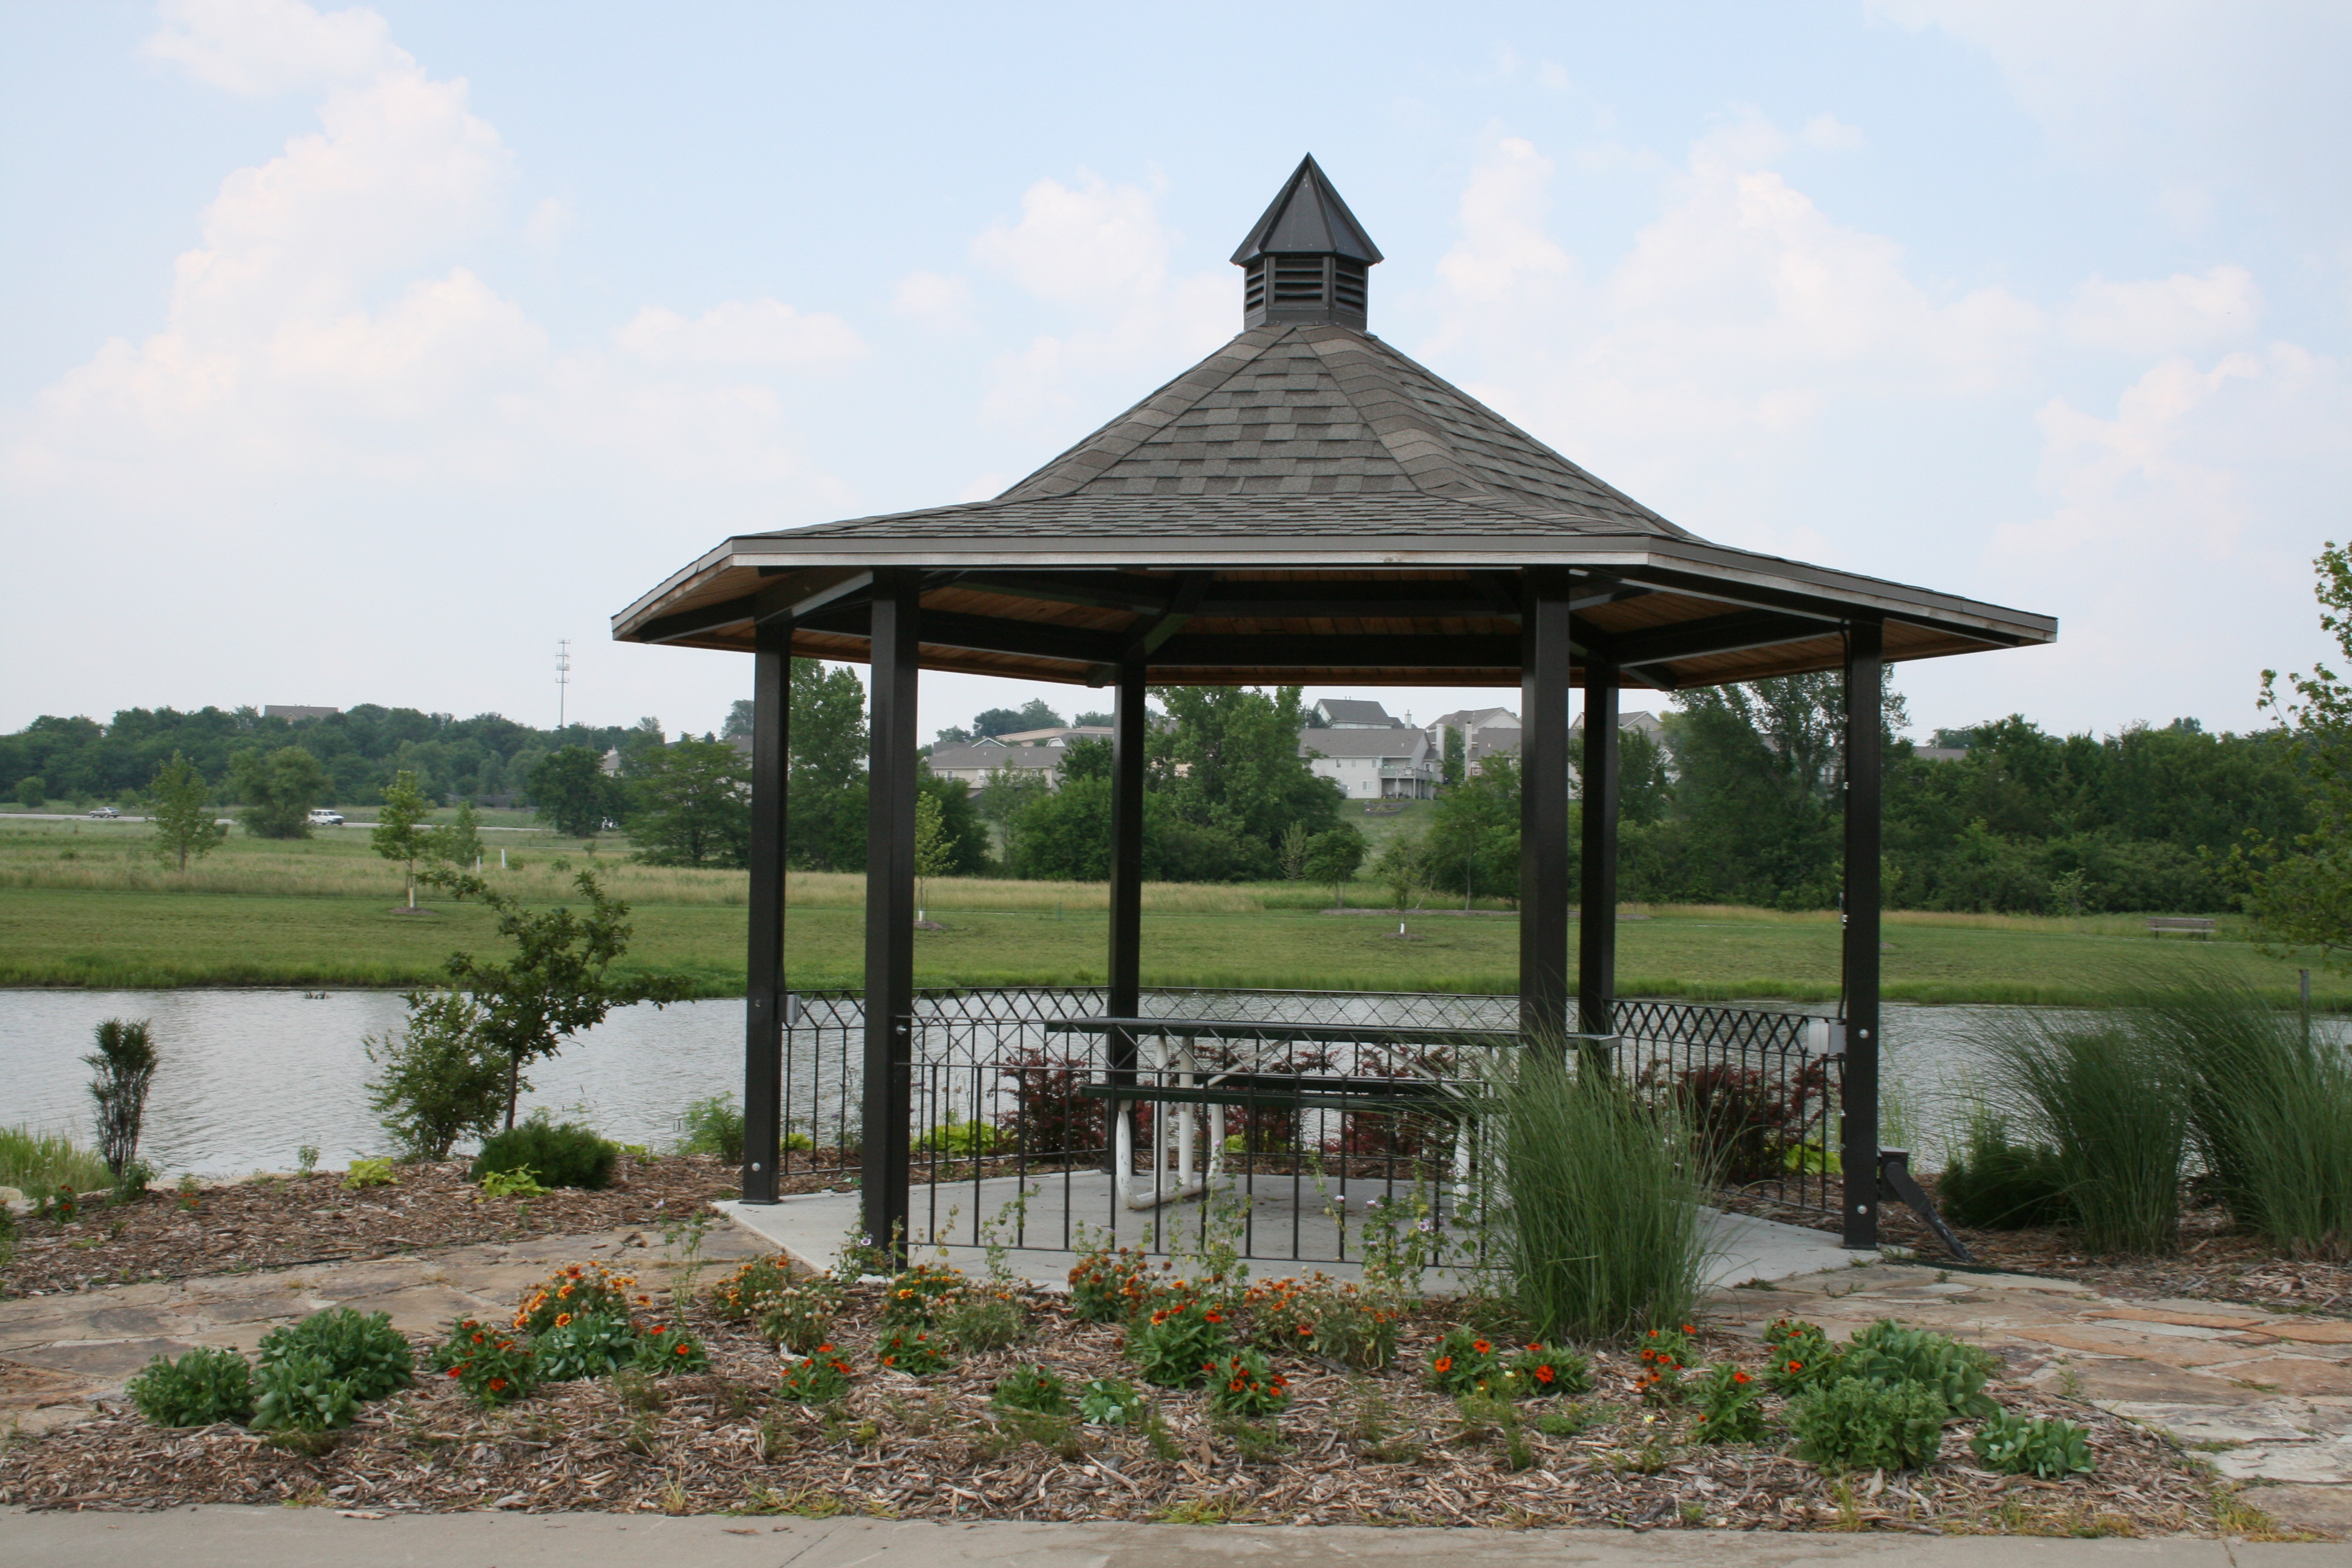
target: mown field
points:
(82, 904)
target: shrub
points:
(487, 1362)
(1802, 1356)
(1464, 1362)
(919, 1294)
(2107, 1095)
(1178, 1345)
(584, 1344)
(1031, 1388)
(125, 1064)
(1107, 1287)
(1109, 1402)
(983, 1320)
(668, 1348)
(1888, 1354)
(1049, 1115)
(519, 1184)
(578, 1290)
(364, 1174)
(363, 1349)
(1852, 1425)
(205, 1386)
(1544, 1370)
(822, 1379)
(712, 1126)
(2020, 1445)
(911, 1351)
(1995, 1184)
(299, 1392)
(441, 1080)
(1729, 1410)
(560, 1156)
(960, 1140)
(1245, 1384)
(1601, 1234)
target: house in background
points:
(1353, 713)
(973, 762)
(1368, 763)
(1061, 736)
(1485, 731)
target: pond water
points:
(246, 1077)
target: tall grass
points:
(30, 1160)
(2105, 1091)
(2269, 1111)
(1601, 1202)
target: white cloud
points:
(741, 333)
(1827, 130)
(550, 223)
(938, 298)
(259, 48)
(1503, 248)
(1090, 245)
(2163, 316)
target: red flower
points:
(1739, 1377)
(1796, 1366)
(1213, 1316)
(1444, 1365)
(455, 1372)
(1544, 1373)
(1482, 1346)
(497, 1385)
(684, 1349)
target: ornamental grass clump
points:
(1996, 1184)
(201, 1388)
(1600, 1199)
(1179, 1343)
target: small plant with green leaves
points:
(1850, 1424)
(306, 1159)
(1569, 1421)
(823, 1379)
(1543, 1370)
(1245, 1384)
(1179, 1343)
(1802, 1356)
(1465, 1361)
(363, 1349)
(1107, 1287)
(364, 1174)
(1888, 1354)
(298, 1391)
(919, 1294)
(1324, 1317)
(668, 1348)
(1729, 1405)
(1109, 1402)
(565, 1155)
(982, 1320)
(487, 1361)
(578, 1290)
(205, 1386)
(1031, 1388)
(913, 1351)
(2045, 1448)
(744, 1295)
(799, 1319)
(712, 1126)
(584, 1344)
(515, 1184)
(1667, 1354)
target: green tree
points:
(457, 842)
(1228, 759)
(2299, 889)
(441, 1080)
(693, 804)
(1474, 834)
(33, 791)
(934, 850)
(1034, 714)
(1450, 767)
(824, 826)
(1402, 866)
(278, 789)
(179, 802)
(570, 789)
(399, 832)
(1332, 855)
(559, 980)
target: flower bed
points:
(1068, 1423)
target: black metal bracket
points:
(1896, 1181)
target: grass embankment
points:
(88, 909)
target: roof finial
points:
(1304, 262)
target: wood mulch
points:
(276, 1222)
(2216, 1262)
(1351, 1448)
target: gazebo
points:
(1305, 505)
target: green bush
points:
(712, 1126)
(1729, 1410)
(203, 1386)
(1031, 1388)
(1802, 1356)
(1245, 1384)
(1602, 1233)
(487, 1361)
(1995, 1184)
(2022, 1445)
(1853, 1425)
(560, 1156)
(1889, 1354)
(822, 1379)
(442, 1080)
(591, 1344)
(298, 1391)
(668, 1348)
(363, 1349)
(1176, 1344)
(983, 1320)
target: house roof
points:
(1339, 744)
(944, 757)
(1305, 504)
(1463, 717)
(1354, 711)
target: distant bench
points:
(2158, 925)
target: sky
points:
(361, 355)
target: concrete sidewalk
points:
(303, 1538)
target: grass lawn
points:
(51, 936)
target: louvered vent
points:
(1306, 261)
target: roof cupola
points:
(1306, 261)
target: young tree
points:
(442, 1080)
(1333, 855)
(934, 850)
(279, 788)
(180, 802)
(457, 842)
(570, 789)
(399, 833)
(125, 1060)
(693, 804)
(2300, 889)
(1402, 866)
(559, 980)
(1290, 854)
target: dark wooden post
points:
(1543, 802)
(891, 910)
(1596, 923)
(1865, 669)
(764, 993)
(1126, 989)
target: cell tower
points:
(563, 678)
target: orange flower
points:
(563, 1320)
(497, 1385)
(1739, 1377)
(1688, 1330)
(565, 1292)
(1238, 1384)
(454, 1370)
(684, 1349)
(1544, 1373)
(1444, 1365)
(478, 1339)
(1281, 1382)
(661, 1328)
(1482, 1346)
(1796, 1366)
(1213, 1316)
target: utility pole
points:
(563, 678)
